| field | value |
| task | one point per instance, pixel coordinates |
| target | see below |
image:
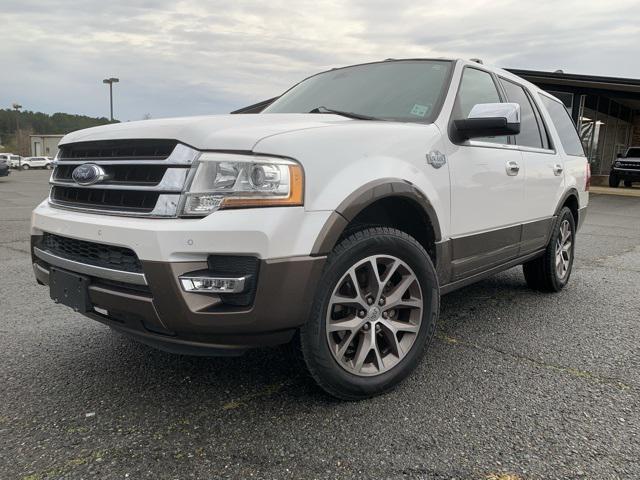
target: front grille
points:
(136, 177)
(90, 253)
(630, 165)
(118, 150)
(104, 199)
(120, 174)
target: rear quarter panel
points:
(575, 167)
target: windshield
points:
(633, 153)
(406, 91)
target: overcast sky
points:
(197, 57)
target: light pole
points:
(17, 107)
(111, 81)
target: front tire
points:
(614, 180)
(551, 272)
(374, 313)
(25, 167)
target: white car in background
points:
(36, 162)
(12, 160)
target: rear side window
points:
(529, 135)
(476, 87)
(564, 125)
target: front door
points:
(487, 192)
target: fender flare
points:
(365, 196)
(572, 192)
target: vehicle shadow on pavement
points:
(123, 365)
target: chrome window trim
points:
(91, 270)
(546, 151)
(506, 146)
(481, 144)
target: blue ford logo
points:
(88, 174)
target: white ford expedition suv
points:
(335, 218)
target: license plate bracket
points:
(69, 289)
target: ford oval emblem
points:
(88, 174)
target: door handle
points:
(512, 168)
(557, 169)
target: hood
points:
(214, 132)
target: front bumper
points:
(158, 311)
(163, 315)
(626, 173)
(266, 232)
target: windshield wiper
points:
(358, 116)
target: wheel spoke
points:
(375, 283)
(364, 347)
(394, 299)
(390, 271)
(344, 344)
(354, 302)
(398, 326)
(348, 324)
(356, 286)
(379, 360)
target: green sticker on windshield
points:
(419, 110)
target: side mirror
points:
(619, 155)
(490, 120)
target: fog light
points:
(213, 284)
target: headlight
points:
(617, 164)
(235, 181)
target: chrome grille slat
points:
(148, 186)
(137, 149)
(172, 181)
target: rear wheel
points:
(614, 181)
(551, 272)
(375, 311)
(628, 183)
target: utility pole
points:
(111, 81)
(17, 107)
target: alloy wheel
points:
(374, 315)
(564, 245)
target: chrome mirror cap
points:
(508, 111)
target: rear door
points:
(487, 197)
(544, 179)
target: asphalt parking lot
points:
(516, 382)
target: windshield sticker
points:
(420, 110)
